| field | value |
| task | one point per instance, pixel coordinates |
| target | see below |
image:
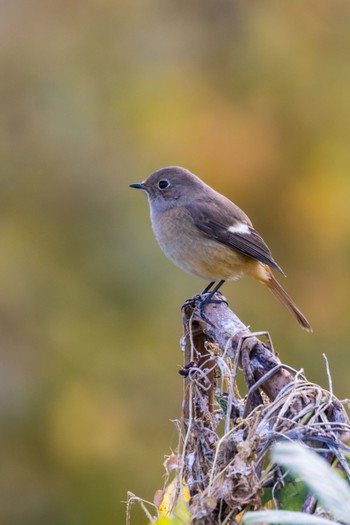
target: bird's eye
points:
(162, 184)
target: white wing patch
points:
(239, 227)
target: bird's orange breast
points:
(194, 251)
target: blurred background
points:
(251, 96)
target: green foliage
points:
(291, 496)
(327, 485)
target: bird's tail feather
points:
(284, 298)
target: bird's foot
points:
(192, 302)
(202, 300)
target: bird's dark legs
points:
(208, 299)
(203, 301)
(207, 288)
(215, 289)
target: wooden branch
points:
(196, 358)
(223, 471)
(223, 327)
(222, 462)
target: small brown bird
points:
(207, 235)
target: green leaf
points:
(293, 494)
(222, 402)
(324, 482)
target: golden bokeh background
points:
(251, 96)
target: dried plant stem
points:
(223, 468)
(222, 460)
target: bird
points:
(207, 235)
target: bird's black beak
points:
(138, 185)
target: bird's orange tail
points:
(284, 298)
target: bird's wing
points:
(230, 226)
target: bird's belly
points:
(195, 252)
(210, 260)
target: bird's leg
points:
(216, 289)
(208, 299)
(199, 296)
(207, 288)
(203, 301)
